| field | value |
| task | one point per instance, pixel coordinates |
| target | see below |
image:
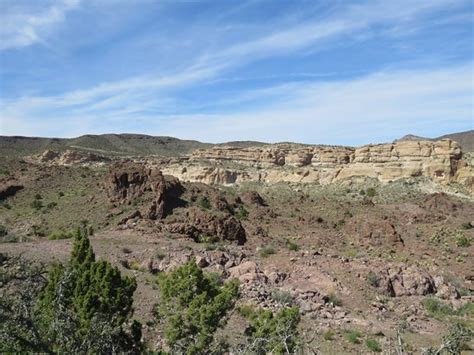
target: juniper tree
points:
(193, 304)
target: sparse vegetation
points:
(437, 309)
(292, 246)
(266, 251)
(353, 336)
(59, 234)
(329, 335)
(282, 297)
(204, 203)
(373, 279)
(373, 345)
(333, 299)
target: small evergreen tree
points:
(273, 333)
(87, 297)
(192, 305)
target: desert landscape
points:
(372, 245)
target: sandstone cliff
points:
(442, 161)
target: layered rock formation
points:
(440, 161)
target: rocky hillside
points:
(110, 144)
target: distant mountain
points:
(109, 144)
(465, 139)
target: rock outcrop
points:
(201, 225)
(71, 157)
(441, 161)
(128, 181)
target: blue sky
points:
(333, 72)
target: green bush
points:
(353, 336)
(59, 234)
(463, 241)
(266, 251)
(370, 192)
(437, 309)
(273, 333)
(373, 345)
(282, 297)
(373, 279)
(292, 246)
(204, 203)
(193, 305)
(242, 213)
(332, 298)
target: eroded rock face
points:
(128, 181)
(440, 161)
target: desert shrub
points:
(61, 194)
(205, 238)
(292, 246)
(193, 305)
(6, 205)
(329, 335)
(242, 213)
(3, 230)
(373, 279)
(370, 192)
(437, 309)
(38, 197)
(333, 299)
(51, 205)
(204, 203)
(353, 336)
(266, 251)
(275, 333)
(60, 234)
(373, 345)
(36, 204)
(462, 240)
(281, 297)
(454, 342)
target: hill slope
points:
(465, 139)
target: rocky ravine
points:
(442, 161)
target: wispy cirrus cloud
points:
(23, 25)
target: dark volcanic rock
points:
(8, 190)
(128, 181)
(197, 223)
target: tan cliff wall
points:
(440, 161)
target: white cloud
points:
(382, 106)
(22, 26)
